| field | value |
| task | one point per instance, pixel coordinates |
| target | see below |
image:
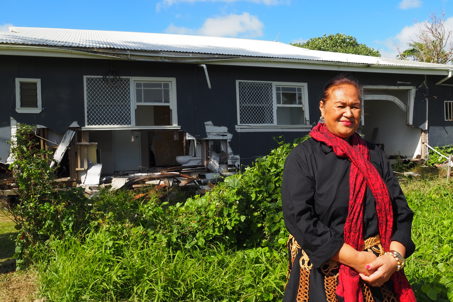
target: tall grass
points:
(124, 265)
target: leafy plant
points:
(339, 43)
(123, 264)
(435, 158)
(42, 210)
(429, 268)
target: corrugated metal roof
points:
(188, 44)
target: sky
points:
(386, 25)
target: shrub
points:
(42, 210)
(244, 211)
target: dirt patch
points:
(18, 286)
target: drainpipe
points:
(205, 68)
(450, 74)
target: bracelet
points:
(399, 259)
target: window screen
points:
(255, 103)
(108, 103)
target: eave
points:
(214, 59)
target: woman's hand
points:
(380, 270)
(362, 261)
(349, 256)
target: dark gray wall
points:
(440, 131)
(63, 97)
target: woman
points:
(349, 222)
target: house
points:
(139, 100)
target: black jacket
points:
(315, 193)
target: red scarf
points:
(362, 175)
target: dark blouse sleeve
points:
(298, 188)
(403, 214)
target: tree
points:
(432, 43)
(339, 43)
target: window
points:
(272, 103)
(28, 95)
(152, 103)
(130, 102)
(448, 110)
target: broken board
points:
(62, 147)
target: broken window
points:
(129, 101)
(28, 95)
(272, 103)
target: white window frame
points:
(171, 104)
(275, 127)
(133, 102)
(448, 103)
(20, 109)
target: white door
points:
(126, 150)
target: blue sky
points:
(387, 25)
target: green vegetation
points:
(435, 158)
(226, 245)
(429, 269)
(6, 223)
(339, 43)
(126, 265)
(43, 211)
(431, 43)
(7, 235)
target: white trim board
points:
(244, 128)
(109, 128)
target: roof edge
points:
(180, 57)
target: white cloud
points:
(408, 4)
(5, 27)
(408, 34)
(167, 3)
(244, 25)
(172, 29)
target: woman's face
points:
(341, 110)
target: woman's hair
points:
(342, 78)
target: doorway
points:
(386, 121)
